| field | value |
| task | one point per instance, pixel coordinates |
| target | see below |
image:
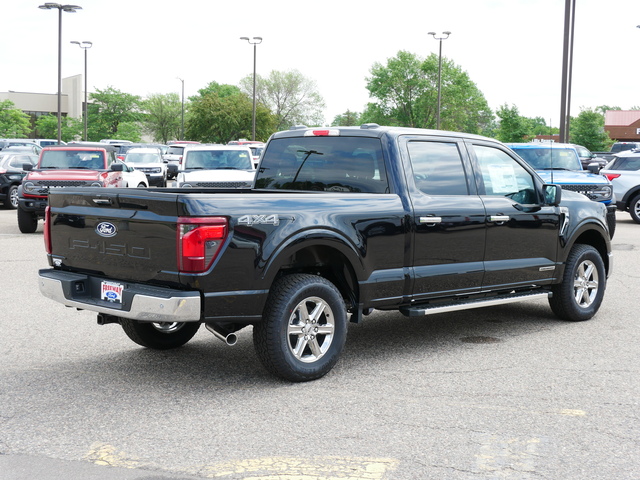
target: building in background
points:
(37, 104)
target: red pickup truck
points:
(65, 166)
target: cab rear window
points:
(328, 164)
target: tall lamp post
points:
(253, 41)
(85, 45)
(444, 36)
(61, 8)
(182, 120)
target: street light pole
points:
(444, 36)
(85, 45)
(182, 120)
(254, 41)
(61, 8)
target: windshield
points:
(550, 158)
(217, 160)
(143, 158)
(93, 160)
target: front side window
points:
(437, 168)
(503, 176)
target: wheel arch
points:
(597, 238)
(322, 253)
(630, 195)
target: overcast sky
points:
(511, 49)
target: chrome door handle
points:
(430, 220)
(499, 218)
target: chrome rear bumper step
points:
(422, 310)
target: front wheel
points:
(27, 221)
(580, 294)
(161, 335)
(303, 328)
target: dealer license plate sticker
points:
(112, 292)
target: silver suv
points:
(624, 174)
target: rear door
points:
(449, 218)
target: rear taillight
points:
(199, 241)
(47, 229)
(611, 176)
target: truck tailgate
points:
(128, 234)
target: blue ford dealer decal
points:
(106, 229)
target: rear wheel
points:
(634, 208)
(580, 294)
(27, 221)
(161, 335)
(303, 329)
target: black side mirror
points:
(27, 167)
(594, 167)
(117, 167)
(552, 194)
(172, 168)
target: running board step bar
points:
(422, 310)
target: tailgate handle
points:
(102, 201)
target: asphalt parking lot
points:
(503, 392)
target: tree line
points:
(403, 92)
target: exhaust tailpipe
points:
(229, 338)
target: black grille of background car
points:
(584, 189)
(62, 183)
(222, 184)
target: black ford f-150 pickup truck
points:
(340, 221)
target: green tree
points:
(164, 116)
(14, 123)
(587, 129)
(513, 127)
(347, 119)
(70, 128)
(221, 113)
(110, 108)
(290, 96)
(406, 94)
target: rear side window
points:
(628, 163)
(328, 164)
(437, 168)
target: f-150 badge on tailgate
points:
(106, 229)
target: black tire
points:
(611, 223)
(141, 185)
(580, 294)
(159, 336)
(11, 200)
(634, 208)
(303, 328)
(27, 221)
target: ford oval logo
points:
(106, 229)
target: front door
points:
(522, 235)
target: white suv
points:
(624, 174)
(216, 166)
(150, 162)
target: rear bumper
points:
(139, 302)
